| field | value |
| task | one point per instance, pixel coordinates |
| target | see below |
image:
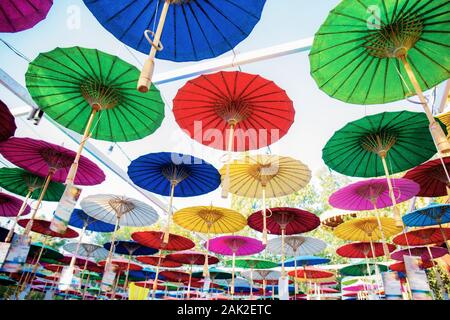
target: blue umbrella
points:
(306, 261)
(431, 215)
(174, 175)
(130, 248)
(194, 30)
(143, 275)
(79, 219)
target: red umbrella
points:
(43, 227)
(310, 273)
(360, 250)
(175, 276)
(161, 261)
(323, 290)
(8, 127)
(122, 265)
(10, 206)
(154, 239)
(422, 237)
(432, 178)
(425, 253)
(150, 283)
(400, 266)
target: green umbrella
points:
(214, 273)
(377, 51)
(362, 269)
(380, 144)
(93, 93)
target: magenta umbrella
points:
(234, 246)
(19, 15)
(426, 253)
(51, 161)
(373, 194)
(8, 125)
(10, 206)
(358, 287)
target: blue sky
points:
(69, 23)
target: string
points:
(16, 51)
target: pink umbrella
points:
(373, 194)
(18, 15)
(234, 246)
(358, 287)
(10, 206)
(425, 253)
(8, 127)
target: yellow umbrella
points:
(367, 229)
(266, 176)
(445, 119)
(209, 219)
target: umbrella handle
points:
(21, 210)
(226, 180)
(41, 197)
(264, 233)
(145, 79)
(397, 215)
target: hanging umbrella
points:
(400, 266)
(264, 176)
(366, 229)
(363, 250)
(305, 261)
(333, 217)
(234, 246)
(209, 220)
(42, 227)
(425, 253)
(214, 273)
(174, 175)
(247, 110)
(79, 219)
(362, 269)
(365, 56)
(10, 206)
(432, 178)
(380, 144)
(6, 119)
(433, 214)
(195, 30)
(19, 15)
(422, 236)
(88, 250)
(311, 273)
(296, 245)
(160, 261)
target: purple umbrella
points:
(234, 246)
(10, 206)
(425, 253)
(373, 194)
(8, 127)
(19, 15)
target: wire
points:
(16, 51)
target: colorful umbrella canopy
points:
(6, 119)
(47, 252)
(79, 219)
(252, 263)
(305, 261)
(214, 274)
(400, 266)
(333, 217)
(154, 239)
(296, 246)
(310, 273)
(130, 248)
(425, 253)
(19, 15)
(191, 258)
(86, 88)
(362, 269)
(10, 206)
(43, 227)
(88, 250)
(366, 229)
(7, 281)
(159, 261)
(423, 236)
(358, 52)
(175, 276)
(249, 111)
(432, 177)
(122, 264)
(360, 250)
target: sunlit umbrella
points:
(174, 175)
(88, 250)
(400, 266)
(383, 51)
(362, 269)
(265, 276)
(264, 176)
(334, 217)
(425, 253)
(7, 120)
(19, 15)
(209, 219)
(363, 250)
(234, 246)
(422, 236)
(194, 30)
(380, 144)
(10, 206)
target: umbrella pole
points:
(232, 273)
(377, 274)
(169, 213)
(251, 283)
(444, 236)
(86, 285)
(155, 282)
(283, 270)
(264, 287)
(380, 227)
(21, 210)
(264, 234)
(51, 172)
(226, 182)
(113, 239)
(189, 283)
(145, 79)
(205, 265)
(74, 167)
(438, 134)
(35, 267)
(295, 275)
(74, 258)
(397, 215)
(125, 285)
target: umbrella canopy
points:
(248, 111)
(367, 229)
(41, 158)
(6, 119)
(235, 245)
(402, 139)
(79, 219)
(27, 184)
(19, 15)
(296, 245)
(130, 248)
(373, 194)
(433, 214)
(360, 250)
(154, 239)
(215, 274)
(78, 87)
(47, 252)
(176, 276)
(159, 261)
(120, 210)
(10, 206)
(400, 266)
(431, 177)
(289, 220)
(43, 227)
(252, 263)
(88, 250)
(424, 253)
(195, 30)
(143, 274)
(362, 269)
(310, 273)
(209, 219)
(423, 236)
(122, 265)
(191, 258)
(305, 261)
(264, 275)
(333, 217)
(7, 281)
